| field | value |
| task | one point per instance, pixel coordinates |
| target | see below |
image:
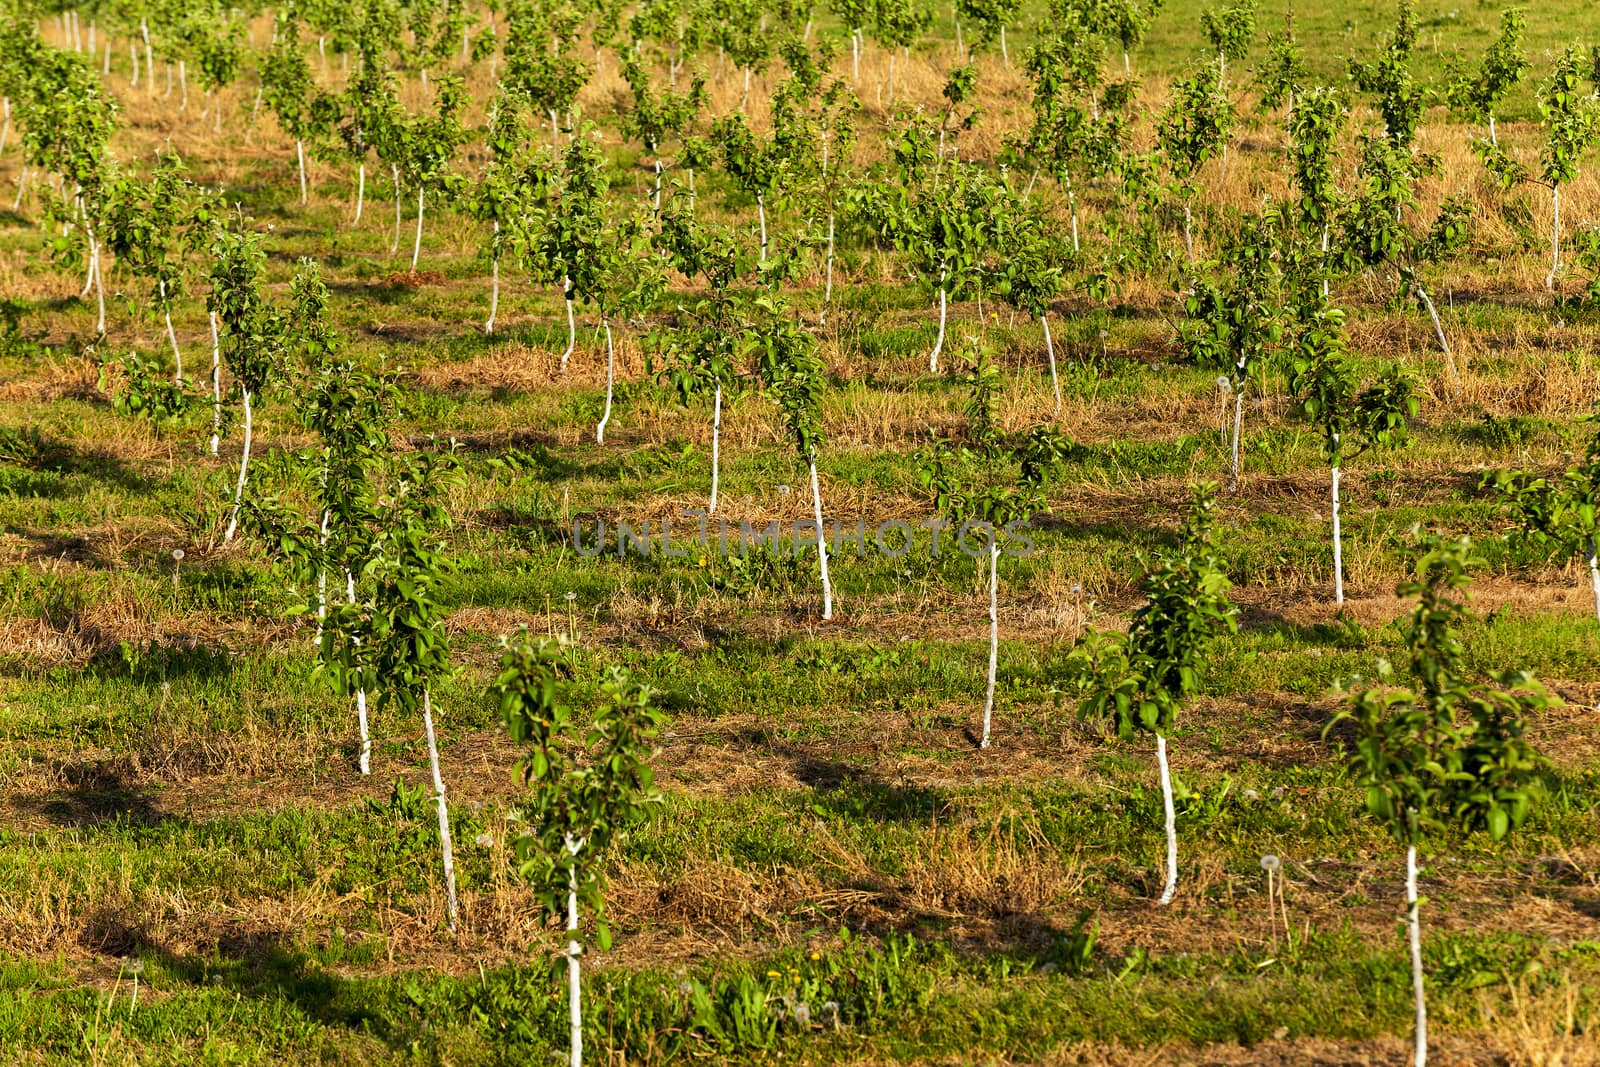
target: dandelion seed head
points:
(177, 554)
(485, 840)
(1271, 864)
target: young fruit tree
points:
(982, 491)
(1562, 512)
(428, 147)
(251, 332)
(1194, 128)
(287, 88)
(588, 788)
(1378, 228)
(1572, 123)
(796, 377)
(1314, 126)
(1350, 419)
(1449, 755)
(1236, 327)
(1478, 93)
(1401, 101)
(506, 189)
(707, 345)
(1139, 681)
(409, 652)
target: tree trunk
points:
(445, 849)
(1338, 548)
(1493, 139)
(611, 363)
(716, 443)
(149, 60)
(994, 637)
(574, 950)
(99, 283)
(216, 386)
(572, 326)
(1072, 198)
(656, 198)
(891, 77)
(394, 247)
(761, 214)
(5, 131)
(1238, 422)
(827, 276)
(1594, 572)
(244, 465)
(1005, 54)
(555, 134)
(1414, 931)
(494, 274)
(1050, 350)
(938, 342)
(364, 762)
(822, 542)
(177, 356)
(1188, 229)
(416, 247)
(855, 55)
(361, 190)
(300, 156)
(183, 85)
(1555, 237)
(1172, 822)
(1438, 329)
(22, 183)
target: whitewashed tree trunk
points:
(22, 183)
(1188, 230)
(994, 638)
(716, 445)
(938, 342)
(445, 849)
(244, 465)
(149, 60)
(1171, 820)
(611, 363)
(1555, 237)
(494, 274)
(1438, 329)
(1493, 139)
(1338, 547)
(574, 950)
(1594, 572)
(1238, 424)
(1072, 198)
(216, 386)
(183, 85)
(822, 541)
(394, 247)
(300, 156)
(1050, 350)
(761, 213)
(5, 131)
(827, 276)
(365, 759)
(572, 326)
(322, 572)
(416, 248)
(99, 282)
(361, 189)
(177, 355)
(1414, 932)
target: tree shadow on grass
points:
(96, 792)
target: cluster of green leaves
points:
(1401, 101)
(1450, 753)
(1139, 680)
(1563, 511)
(587, 787)
(1325, 383)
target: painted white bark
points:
(994, 639)
(827, 276)
(365, 760)
(572, 326)
(361, 188)
(394, 246)
(446, 852)
(574, 950)
(494, 274)
(1438, 329)
(1171, 819)
(416, 248)
(761, 213)
(1050, 350)
(1555, 237)
(716, 446)
(822, 543)
(177, 355)
(244, 465)
(216, 386)
(938, 342)
(611, 364)
(1414, 932)
(1338, 547)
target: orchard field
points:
(1260, 335)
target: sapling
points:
(1449, 754)
(588, 788)
(1478, 93)
(505, 190)
(287, 90)
(1139, 681)
(1194, 128)
(409, 653)
(796, 378)
(1350, 419)
(1314, 126)
(252, 332)
(981, 489)
(1562, 511)
(1401, 101)
(1572, 124)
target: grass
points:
(180, 799)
